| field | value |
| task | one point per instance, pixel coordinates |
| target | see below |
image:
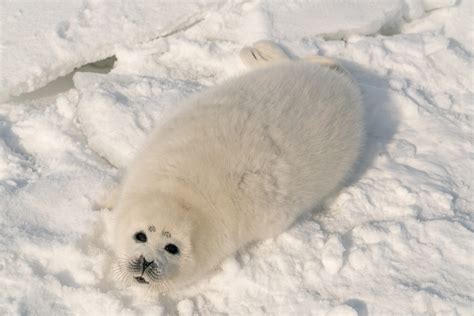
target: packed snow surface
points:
(397, 241)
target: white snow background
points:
(397, 241)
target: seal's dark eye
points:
(172, 249)
(140, 237)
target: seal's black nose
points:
(145, 263)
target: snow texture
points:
(397, 241)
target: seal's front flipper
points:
(108, 199)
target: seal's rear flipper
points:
(262, 53)
(327, 62)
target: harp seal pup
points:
(238, 163)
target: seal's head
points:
(153, 245)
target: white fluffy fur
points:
(239, 163)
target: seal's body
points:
(238, 163)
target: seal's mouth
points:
(141, 280)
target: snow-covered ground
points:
(398, 241)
